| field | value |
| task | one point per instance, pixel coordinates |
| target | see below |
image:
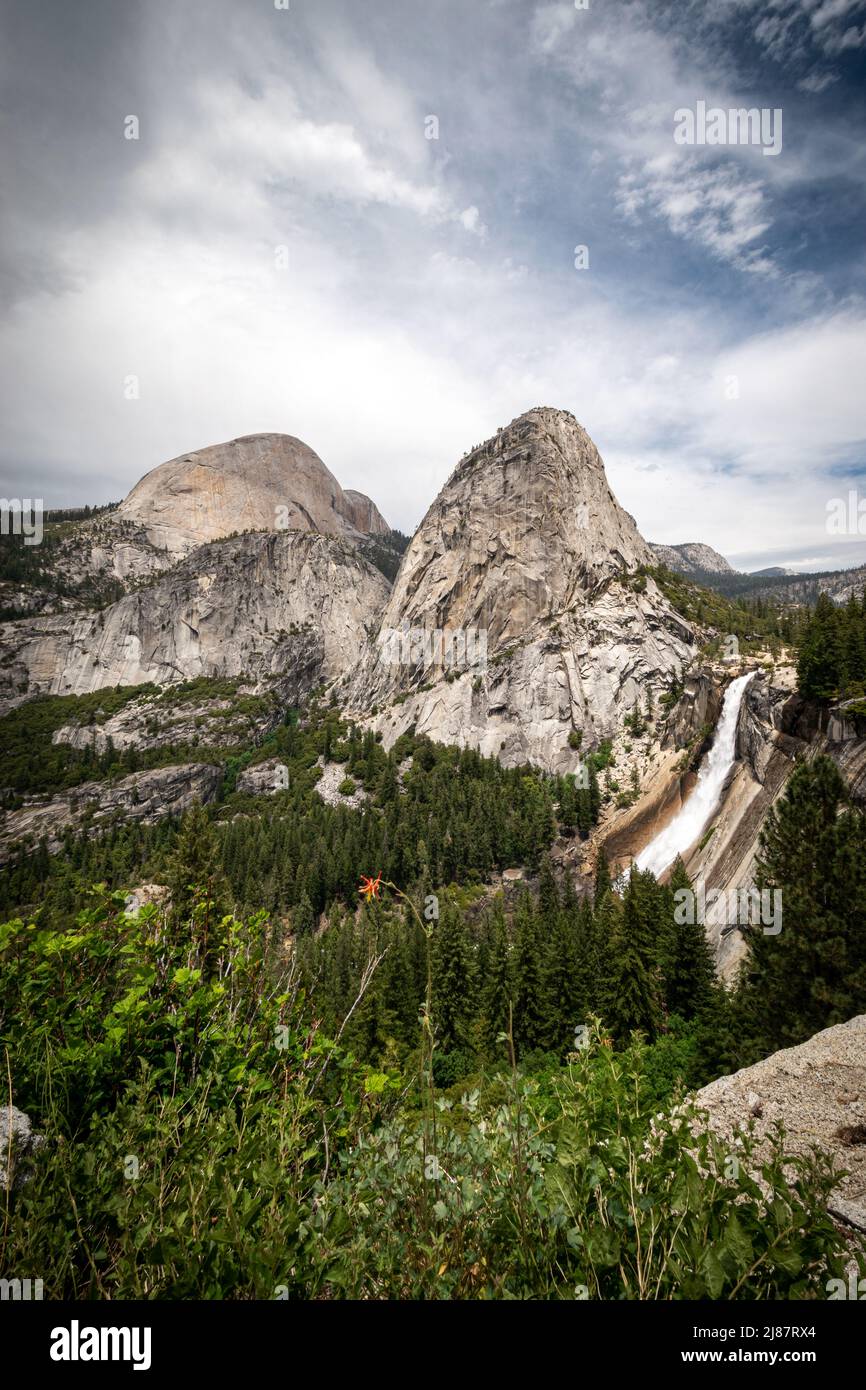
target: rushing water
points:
(688, 825)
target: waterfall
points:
(690, 822)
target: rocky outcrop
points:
(527, 557)
(329, 784)
(839, 585)
(692, 558)
(172, 718)
(696, 711)
(839, 731)
(260, 482)
(263, 779)
(364, 515)
(293, 607)
(145, 895)
(143, 796)
(18, 1144)
(818, 1092)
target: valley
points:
(554, 765)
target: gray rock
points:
(693, 558)
(18, 1143)
(698, 707)
(145, 895)
(814, 1090)
(260, 482)
(263, 779)
(526, 544)
(143, 796)
(512, 875)
(291, 608)
(328, 786)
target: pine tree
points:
(686, 957)
(854, 638)
(812, 973)
(303, 915)
(548, 894)
(530, 1013)
(717, 1044)
(561, 984)
(635, 996)
(567, 805)
(603, 883)
(497, 991)
(454, 979)
(195, 867)
(821, 662)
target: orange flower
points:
(370, 886)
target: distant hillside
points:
(692, 558)
(799, 588)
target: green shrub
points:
(204, 1140)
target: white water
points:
(688, 825)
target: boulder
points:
(18, 1144)
(817, 1090)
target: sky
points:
(358, 224)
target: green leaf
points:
(603, 1246)
(737, 1243)
(714, 1274)
(789, 1260)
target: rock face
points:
(840, 732)
(528, 554)
(143, 796)
(292, 607)
(263, 779)
(260, 482)
(155, 720)
(692, 558)
(364, 514)
(697, 709)
(818, 1092)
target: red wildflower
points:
(370, 886)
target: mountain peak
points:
(533, 508)
(257, 482)
(692, 557)
(527, 546)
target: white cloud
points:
(429, 296)
(252, 150)
(793, 28)
(817, 82)
(713, 206)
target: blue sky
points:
(283, 248)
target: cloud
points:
(711, 205)
(795, 28)
(262, 146)
(817, 82)
(285, 250)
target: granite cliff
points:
(290, 607)
(530, 569)
(260, 482)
